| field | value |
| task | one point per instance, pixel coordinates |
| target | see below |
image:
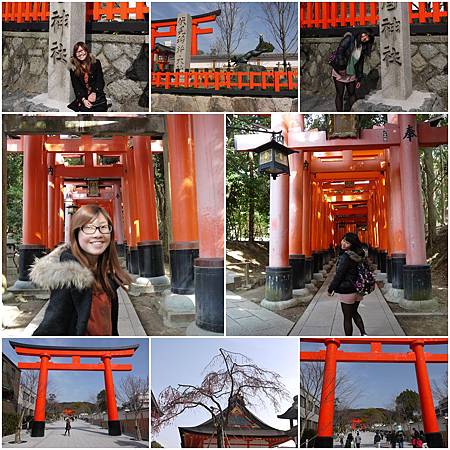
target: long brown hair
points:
(81, 66)
(108, 262)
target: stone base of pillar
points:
(311, 287)
(114, 428)
(297, 262)
(315, 262)
(398, 261)
(152, 285)
(281, 304)
(134, 261)
(419, 305)
(121, 249)
(380, 276)
(151, 260)
(194, 330)
(389, 268)
(278, 284)
(323, 442)
(327, 267)
(318, 277)
(393, 295)
(308, 269)
(323, 272)
(27, 255)
(177, 310)
(182, 268)
(304, 295)
(417, 282)
(434, 440)
(382, 260)
(209, 294)
(37, 429)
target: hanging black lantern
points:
(273, 156)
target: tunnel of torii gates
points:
(369, 185)
(46, 353)
(417, 356)
(126, 189)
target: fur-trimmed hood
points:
(60, 269)
(354, 256)
(71, 64)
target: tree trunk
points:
(251, 205)
(431, 207)
(17, 435)
(220, 436)
(136, 426)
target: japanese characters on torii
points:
(395, 50)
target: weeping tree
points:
(229, 375)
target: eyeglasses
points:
(91, 229)
(80, 52)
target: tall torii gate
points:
(45, 353)
(336, 185)
(417, 356)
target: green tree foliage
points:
(247, 191)
(15, 195)
(407, 404)
(101, 400)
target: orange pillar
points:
(184, 245)
(430, 424)
(34, 192)
(326, 414)
(38, 426)
(208, 133)
(194, 40)
(59, 212)
(278, 291)
(416, 273)
(113, 415)
(296, 257)
(306, 218)
(150, 251)
(51, 199)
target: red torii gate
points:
(45, 353)
(171, 24)
(331, 356)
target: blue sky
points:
(183, 360)
(83, 386)
(381, 383)
(255, 25)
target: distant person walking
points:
(393, 439)
(400, 438)
(68, 427)
(377, 440)
(345, 279)
(358, 440)
(349, 440)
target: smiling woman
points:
(83, 278)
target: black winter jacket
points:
(343, 53)
(70, 302)
(346, 272)
(96, 82)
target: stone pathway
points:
(245, 318)
(323, 316)
(367, 441)
(82, 435)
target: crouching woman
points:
(83, 278)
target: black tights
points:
(351, 312)
(340, 90)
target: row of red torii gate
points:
(114, 168)
(369, 184)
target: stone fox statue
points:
(263, 47)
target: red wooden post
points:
(430, 424)
(113, 416)
(326, 415)
(38, 426)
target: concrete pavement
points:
(82, 435)
(367, 441)
(323, 316)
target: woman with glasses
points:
(83, 278)
(87, 81)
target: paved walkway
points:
(323, 316)
(82, 435)
(129, 323)
(367, 441)
(246, 318)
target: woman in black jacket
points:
(344, 280)
(83, 278)
(348, 63)
(87, 80)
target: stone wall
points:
(218, 103)
(429, 57)
(25, 57)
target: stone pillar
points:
(395, 49)
(67, 26)
(208, 133)
(183, 43)
(416, 272)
